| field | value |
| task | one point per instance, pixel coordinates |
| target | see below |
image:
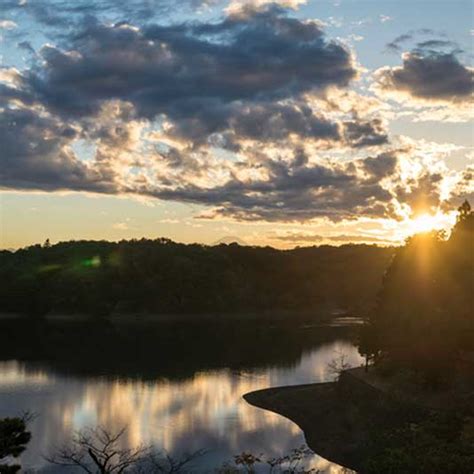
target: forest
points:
(419, 342)
(163, 277)
(424, 314)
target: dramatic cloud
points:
(34, 155)
(397, 184)
(233, 85)
(298, 191)
(57, 14)
(429, 76)
(361, 133)
(421, 194)
(182, 70)
(250, 115)
(287, 122)
(262, 121)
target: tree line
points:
(161, 276)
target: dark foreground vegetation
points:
(98, 451)
(14, 437)
(412, 411)
(160, 276)
(424, 318)
(373, 431)
(421, 341)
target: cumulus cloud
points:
(437, 77)
(35, 155)
(248, 115)
(244, 76)
(181, 70)
(298, 191)
(234, 84)
(263, 121)
(57, 14)
(431, 73)
(361, 133)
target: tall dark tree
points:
(424, 316)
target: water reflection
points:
(204, 410)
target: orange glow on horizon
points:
(426, 223)
(429, 222)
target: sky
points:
(298, 122)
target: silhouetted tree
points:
(464, 211)
(424, 315)
(98, 451)
(13, 440)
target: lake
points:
(178, 388)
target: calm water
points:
(198, 405)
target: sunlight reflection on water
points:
(203, 411)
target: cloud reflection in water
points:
(203, 411)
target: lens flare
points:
(93, 262)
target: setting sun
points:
(229, 226)
(428, 222)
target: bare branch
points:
(98, 451)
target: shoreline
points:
(314, 408)
(304, 319)
(340, 419)
(337, 418)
